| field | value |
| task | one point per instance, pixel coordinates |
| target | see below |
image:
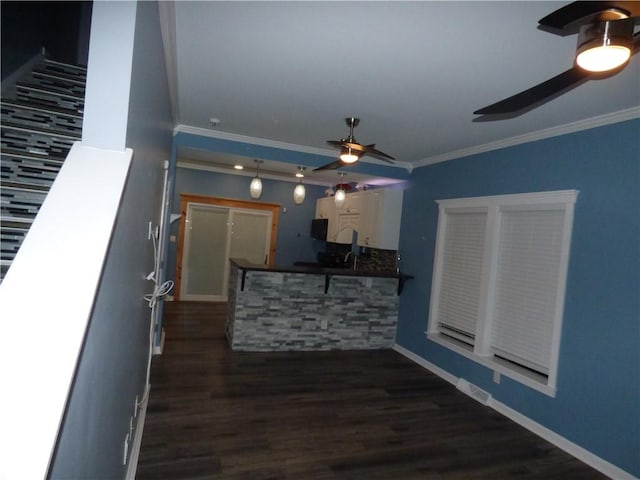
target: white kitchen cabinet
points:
(380, 218)
(352, 203)
(325, 207)
(374, 214)
(347, 224)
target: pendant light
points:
(299, 192)
(255, 187)
(341, 195)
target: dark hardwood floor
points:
(218, 414)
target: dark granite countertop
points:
(345, 272)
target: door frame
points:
(186, 198)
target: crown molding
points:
(602, 120)
(195, 165)
(264, 142)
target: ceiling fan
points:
(351, 151)
(604, 27)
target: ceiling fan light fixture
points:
(348, 155)
(604, 46)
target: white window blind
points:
(499, 281)
(528, 266)
(461, 273)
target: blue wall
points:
(293, 242)
(597, 404)
(111, 372)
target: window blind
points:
(461, 273)
(527, 273)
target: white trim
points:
(195, 165)
(452, 379)
(550, 436)
(132, 466)
(157, 349)
(488, 362)
(265, 142)
(167, 13)
(600, 121)
(551, 197)
(600, 464)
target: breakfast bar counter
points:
(311, 308)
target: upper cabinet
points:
(374, 214)
(380, 219)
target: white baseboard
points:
(137, 438)
(157, 349)
(550, 436)
(452, 379)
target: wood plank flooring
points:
(352, 415)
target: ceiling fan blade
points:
(345, 144)
(538, 94)
(330, 166)
(583, 11)
(375, 153)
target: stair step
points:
(27, 179)
(30, 141)
(10, 241)
(38, 119)
(52, 90)
(19, 203)
(45, 109)
(58, 77)
(70, 103)
(65, 67)
(53, 84)
(7, 153)
(15, 223)
(69, 136)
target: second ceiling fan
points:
(351, 151)
(603, 25)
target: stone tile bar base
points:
(279, 311)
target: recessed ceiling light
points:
(238, 167)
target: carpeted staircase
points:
(41, 118)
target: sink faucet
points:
(351, 255)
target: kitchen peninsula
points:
(311, 308)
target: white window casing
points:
(499, 281)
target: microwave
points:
(319, 227)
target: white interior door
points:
(250, 235)
(214, 234)
(204, 258)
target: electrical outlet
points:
(496, 376)
(150, 232)
(324, 324)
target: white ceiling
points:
(414, 72)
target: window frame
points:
(480, 349)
